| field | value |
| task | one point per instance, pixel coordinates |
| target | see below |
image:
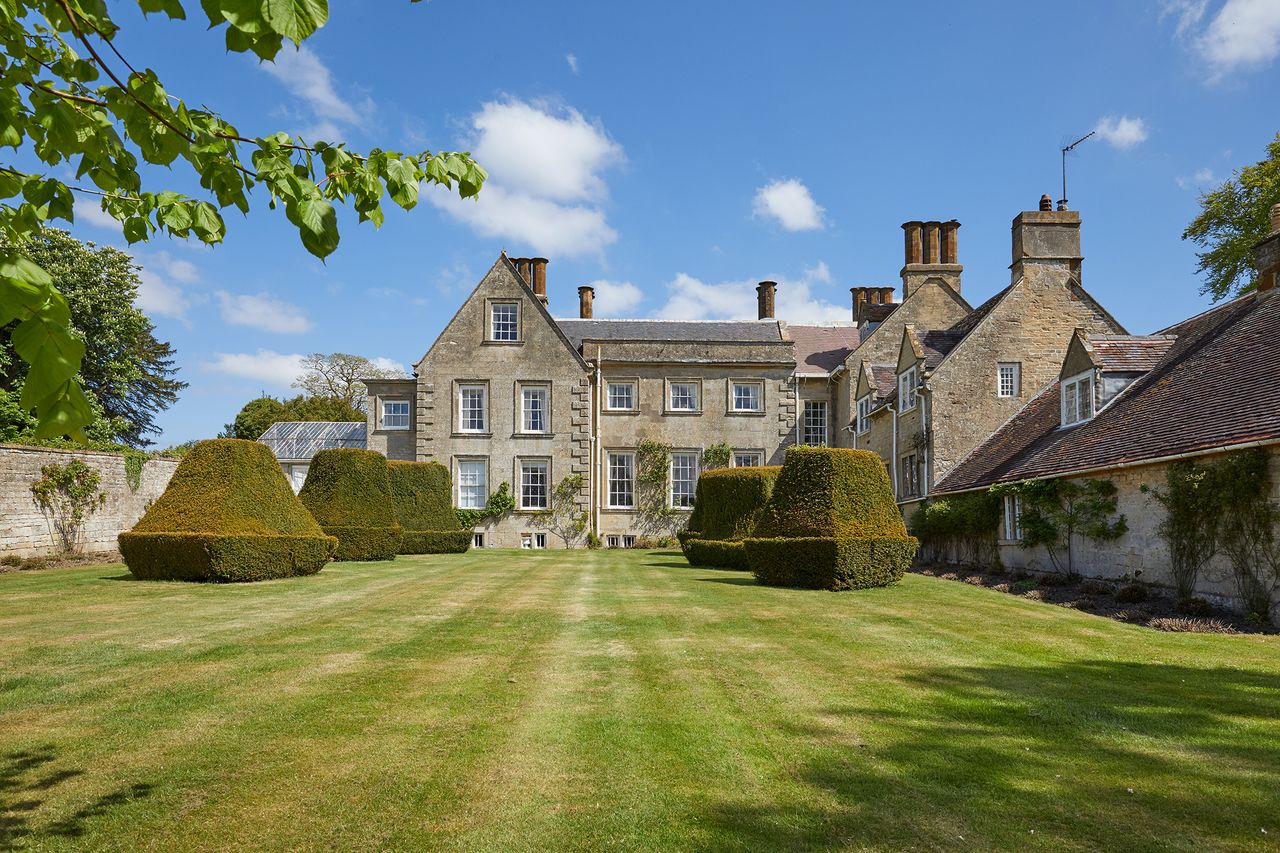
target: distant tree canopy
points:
(262, 412)
(128, 373)
(338, 375)
(1232, 219)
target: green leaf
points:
(317, 223)
(296, 19)
(172, 8)
(65, 412)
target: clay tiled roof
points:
(822, 349)
(1129, 353)
(1213, 387)
(885, 377)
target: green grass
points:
(616, 699)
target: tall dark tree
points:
(1232, 219)
(128, 373)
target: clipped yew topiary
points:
(831, 523)
(349, 493)
(727, 505)
(228, 514)
(423, 495)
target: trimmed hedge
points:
(227, 515)
(726, 508)
(422, 493)
(831, 523)
(349, 493)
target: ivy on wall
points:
(1055, 513)
(499, 504)
(69, 494)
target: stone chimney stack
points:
(1046, 237)
(867, 302)
(765, 293)
(538, 278)
(1266, 256)
(931, 251)
(586, 298)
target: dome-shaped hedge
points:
(349, 493)
(228, 514)
(831, 523)
(726, 508)
(423, 496)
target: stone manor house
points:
(510, 393)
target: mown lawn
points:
(507, 700)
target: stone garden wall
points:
(26, 531)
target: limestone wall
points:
(25, 530)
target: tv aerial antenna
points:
(1062, 202)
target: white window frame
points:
(612, 466)
(628, 540)
(477, 539)
(864, 413)
(540, 541)
(632, 393)
(525, 411)
(464, 387)
(1070, 398)
(613, 541)
(1012, 371)
(806, 423)
(1012, 518)
(525, 486)
(757, 458)
(756, 389)
(513, 330)
(483, 485)
(688, 485)
(907, 382)
(911, 475)
(695, 396)
(397, 419)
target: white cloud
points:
(92, 213)
(1187, 13)
(1245, 34)
(1201, 178)
(790, 203)
(157, 292)
(262, 311)
(615, 298)
(1121, 132)
(573, 62)
(309, 79)
(545, 186)
(692, 299)
(389, 364)
(266, 366)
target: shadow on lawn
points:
(27, 778)
(993, 753)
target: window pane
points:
(395, 414)
(1070, 411)
(471, 408)
(621, 395)
(506, 326)
(473, 484)
(746, 460)
(814, 425)
(1084, 404)
(533, 485)
(535, 409)
(746, 397)
(684, 396)
(684, 477)
(621, 480)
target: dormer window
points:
(1077, 399)
(504, 321)
(907, 390)
(864, 413)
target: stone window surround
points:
(729, 397)
(757, 452)
(634, 382)
(518, 482)
(380, 414)
(696, 453)
(517, 419)
(681, 380)
(486, 336)
(455, 406)
(826, 420)
(456, 473)
(607, 504)
(864, 418)
(1016, 379)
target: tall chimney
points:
(1046, 238)
(522, 267)
(538, 274)
(930, 254)
(586, 296)
(1266, 256)
(765, 292)
(859, 303)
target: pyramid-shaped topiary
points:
(423, 496)
(728, 503)
(831, 523)
(349, 493)
(228, 514)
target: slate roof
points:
(1213, 387)
(299, 440)
(885, 377)
(974, 317)
(937, 344)
(687, 331)
(1129, 353)
(822, 349)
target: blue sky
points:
(676, 153)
